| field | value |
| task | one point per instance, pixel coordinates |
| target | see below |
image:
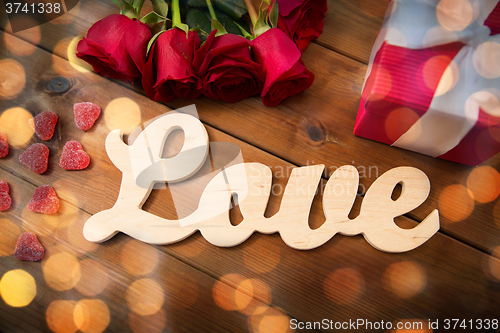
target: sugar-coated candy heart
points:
(73, 157)
(44, 124)
(28, 247)
(5, 200)
(44, 200)
(4, 145)
(36, 158)
(86, 114)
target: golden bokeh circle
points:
(22, 43)
(59, 316)
(405, 279)
(122, 113)
(344, 285)
(263, 257)
(12, 79)
(145, 297)
(455, 203)
(17, 288)
(91, 316)
(484, 183)
(454, 15)
(486, 60)
(61, 271)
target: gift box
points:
(433, 80)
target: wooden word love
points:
(140, 164)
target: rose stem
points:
(138, 7)
(176, 13)
(251, 11)
(211, 10)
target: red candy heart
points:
(4, 145)
(36, 158)
(86, 114)
(73, 157)
(44, 124)
(5, 200)
(28, 247)
(44, 200)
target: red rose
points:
(116, 47)
(302, 19)
(226, 69)
(168, 72)
(286, 75)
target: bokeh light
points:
(439, 36)
(145, 297)
(344, 285)
(399, 121)
(139, 258)
(485, 100)
(60, 315)
(262, 258)
(29, 38)
(17, 288)
(382, 75)
(404, 279)
(76, 62)
(122, 113)
(484, 183)
(12, 79)
(269, 320)
(448, 80)
(91, 316)
(455, 203)
(431, 67)
(233, 292)
(147, 324)
(94, 278)
(486, 60)
(14, 123)
(454, 15)
(61, 271)
(8, 237)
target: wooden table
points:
(262, 285)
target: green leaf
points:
(220, 29)
(245, 33)
(152, 40)
(199, 17)
(261, 25)
(160, 7)
(117, 2)
(129, 10)
(274, 15)
(234, 8)
(152, 18)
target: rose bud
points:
(226, 69)
(116, 47)
(302, 20)
(168, 71)
(286, 75)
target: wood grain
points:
(316, 126)
(344, 279)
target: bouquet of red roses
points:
(212, 53)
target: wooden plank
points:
(322, 133)
(351, 27)
(344, 279)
